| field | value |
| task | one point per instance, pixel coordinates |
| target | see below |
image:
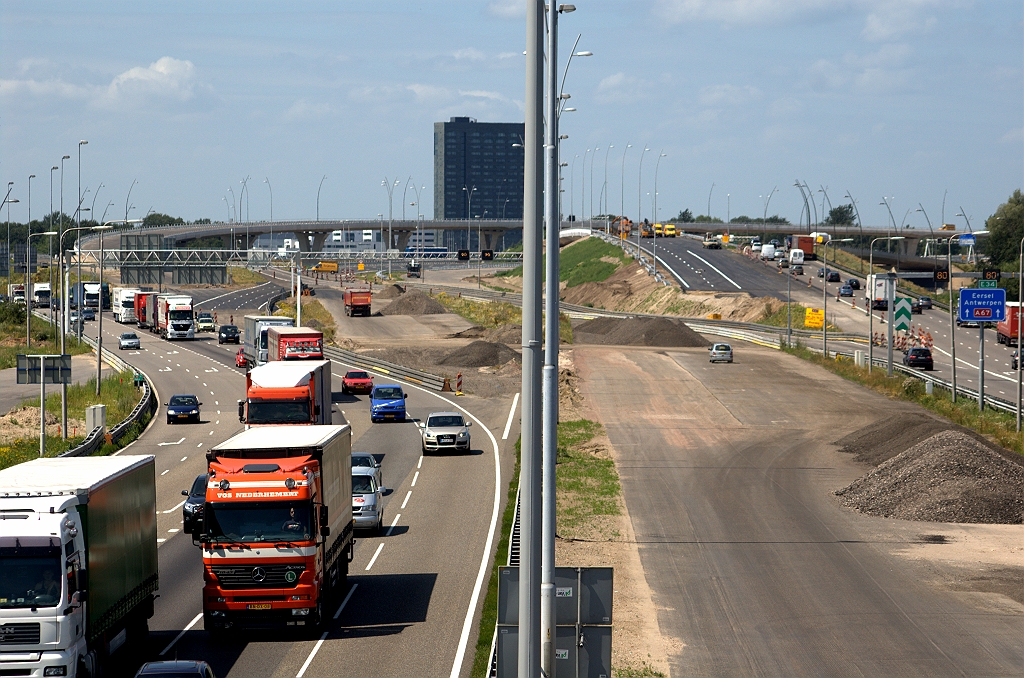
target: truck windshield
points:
(258, 521)
(30, 581)
(180, 315)
(276, 412)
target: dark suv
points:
(192, 509)
(919, 357)
(229, 334)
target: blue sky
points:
(899, 98)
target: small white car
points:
(720, 353)
(128, 340)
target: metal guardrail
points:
(384, 367)
(146, 406)
(513, 561)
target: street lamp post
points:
(592, 159)
(622, 187)
(10, 256)
(604, 211)
(318, 197)
(639, 200)
(764, 217)
(860, 227)
(391, 204)
(654, 246)
(469, 214)
(824, 293)
(28, 297)
(871, 299)
(271, 189)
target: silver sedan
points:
(128, 340)
(445, 431)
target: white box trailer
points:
(78, 562)
(123, 304)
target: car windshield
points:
(228, 329)
(443, 420)
(365, 460)
(258, 521)
(363, 485)
(30, 580)
(357, 375)
(722, 347)
(205, 316)
(387, 393)
(198, 487)
(276, 412)
(129, 335)
(183, 401)
(921, 352)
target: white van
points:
(796, 256)
(768, 251)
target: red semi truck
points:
(357, 302)
(294, 343)
(276, 529)
(1006, 331)
(287, 392)
(142, 308)
(802, 242)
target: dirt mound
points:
(480, 354)
(390, 292)
(413, 303)
(884, 439)
(950, 477)
(474, 332)
(22, 423)
(505, 334)
(636, 332)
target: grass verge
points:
(587, 483)
(240, 275)
(588, 260)
(1000, 426)
(12, 337)
(118, 393)
(778, 319)
(491, 314)
(313, 315)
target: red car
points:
(356, 381)
(240, 360)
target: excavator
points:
(621, 226)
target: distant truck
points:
(1006, 330)
(287, 393)
(294, 343)
(174, 317)
(41, 295)
(801, 242)
(875, 292)
(277, 528)
(254, 339)
(646, 230)
(711, 242)
(16, 292)
(141, 303)
(326, 267)
(669, 230)
(123, 304)
(414, 269)
(78, 562)
(357, 302)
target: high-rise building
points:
(485, 156)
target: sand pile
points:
(22, 423)
(474, 332)
(480, 354)
(413, 303)
(505, 334)
(888, 437)
(950, 477)
(636, 332)
(390, 292)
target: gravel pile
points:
(480, 354)
(637, 332)
(390, 292)
(474, 332)
(413, 303)
(949, 477)
(506, 334)
(888, 437)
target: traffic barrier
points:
(426, 379)
(458, 384)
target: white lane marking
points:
(309, 659)
(199, 445)
(218, 421)
(164, 369)
(211, 433)
(183, 631)
(419, 464)
(734, 283)
(406, 501)
(393, 523)
(173, 530)
(345, 602)
(374, 559)
(414, 479)
(511, 416)
(166, 472)
(172, 510)
(160, 540)
(184, 458)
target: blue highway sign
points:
(978, 305)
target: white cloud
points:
(508, 9)
(469, 53)
(303, 109)
(428, 92)
(165, 78)
(785, 106)
(1014, 136)
(727, 95)
(892, 19)
(483, 94)
(44, 88)
(883, 70)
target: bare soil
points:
(389, 292)
(481, 354)
(22, 423)
(486, 381)
(413, 303)
(637, 332)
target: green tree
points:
(776, 219)
(1006, 230)
(158, 219)
(705, 219)
(684, 217)
(744, 219)
(840, 216)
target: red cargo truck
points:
(142, 309)
(286, 392)
(294, 343)
(1006, 331)
(357, 302)
(802, 242)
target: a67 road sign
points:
(982, 305)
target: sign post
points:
(981, 306)
(43, 370)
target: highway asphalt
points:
(412, 589)
(728, 471)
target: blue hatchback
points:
(387, 401)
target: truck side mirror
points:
(316, 410)
(241, 411)
(83, 584)
(325, 531)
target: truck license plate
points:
(258, 606)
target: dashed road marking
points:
(374, 559)
(406, 500)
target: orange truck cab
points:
(294, 343)
(287, 392)
(277, 528)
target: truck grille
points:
(259, 576)
(19, 634)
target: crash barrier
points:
(425, 379)
(512, 561)
(146, 406)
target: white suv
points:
(445, 431)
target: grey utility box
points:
(95, 416)
(582, 595)
(595, 652)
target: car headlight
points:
(463, 434)
(194, 412)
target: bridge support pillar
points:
(319, 239)
(908, 247)
(403, 238)
(303, 238)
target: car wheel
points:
(169, 421)
(380, 523)
(730, 361)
